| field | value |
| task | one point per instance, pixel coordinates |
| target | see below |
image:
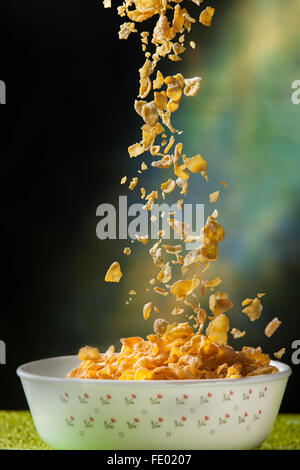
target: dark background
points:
(64, 136)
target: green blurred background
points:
(71, 85)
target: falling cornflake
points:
(213, 197)
(280, 353)
(253, 308)
(114, 273)
(147, 310)
(237, 333)
(206, 16)
(272, 327)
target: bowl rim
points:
(284, 371)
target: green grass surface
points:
(285, 434)
(17, 431)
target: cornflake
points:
(160, 326)
(193, 257)
(211, 234)
(142, 239)
(196, 164)
(280, 353)
(253, 309)
(182, 228)
(218, 328)
(147, 310)
(246, 302)
(135, 150)
(219, 303)
(182, 289)
(127, 251)
(159, 81)
(178, 48)
(272, 327)
(151, 199)
(133, 183)
(206, 16)
(88, 353)
(156, 253)
(143, 193)
(237, 333)
(181, 171)
(114, 273)
(168, 186)
(177, 311)
(161, 291)
(165, 274)
(213, 197)
(183, 185)
(180, 204)
(154, 150)
(174, 57)
(171, 142)
(126, 29)
(214, 283)
(177, 152)
(192, 86)
(173, 249)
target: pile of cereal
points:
(177, 350)
(174, 352)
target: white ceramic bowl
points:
(109, 414)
